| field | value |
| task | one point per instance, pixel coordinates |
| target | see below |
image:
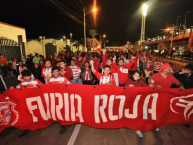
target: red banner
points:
(98, 107)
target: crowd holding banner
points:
(102, 106)
(116, 72)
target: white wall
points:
(12, 32)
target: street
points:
(169, 135)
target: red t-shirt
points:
(32, 84)
(97, 64)
(104, 79)
(164, 82)
(123, 72)
(67, 73)
(104, 64)
(139, 83)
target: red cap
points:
(164, 66)
(36, 63)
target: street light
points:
(186, 17)
(104, 36)
(84, 13)
(64, 37)
(177, 21)
(144, 14)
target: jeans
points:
(74, 82)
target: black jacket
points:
(37, 73)
(185, 79)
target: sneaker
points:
(157, 129)
(139, 133)
(62, 129)
(1, 134)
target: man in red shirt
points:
(123, 70)
(3, 65)
(47, 71)
(28, 81)
(56, 78)
(164, 79)
(108, 61)
(106, 78)
(65, 70)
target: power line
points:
(81, 3)
(65, 7)
(66, 12)
(77, 8)
(78, 5)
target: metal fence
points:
(10, 49)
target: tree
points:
(93, 33)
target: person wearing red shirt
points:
(41, 64)
(28, 81)
(164, 79)
(135, 60)
(123, 70)
(86, 73)
(157, 66)
(65, 70)
(135, 80)
(96, 63)
(106, 78)
(108, 61)
(56, 78)
(47, 71)
(3, 65)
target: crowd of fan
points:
(118, 68)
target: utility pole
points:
(186, 18)
(171, 45)
(84, 13)
(166, 27)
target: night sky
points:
(120, 20)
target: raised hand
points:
(104, 51)
(91, 62)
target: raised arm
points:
(104, 58)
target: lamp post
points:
(104, 36)
(64, 37)
(144, 14)
(171, 45)
(186, 18)
(71, 41)
(177, 21)
(166, 27)
(84, 14)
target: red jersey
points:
(105, 79)
(20, 78)
(97, 64)
(32, 84)
(157, 66)
(113, 70)
(164, 82)
(123, 72)
(75, 70)
(135, 65)
(58, 80)
(47, 74)
(67, 73)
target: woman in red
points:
(135, 80)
